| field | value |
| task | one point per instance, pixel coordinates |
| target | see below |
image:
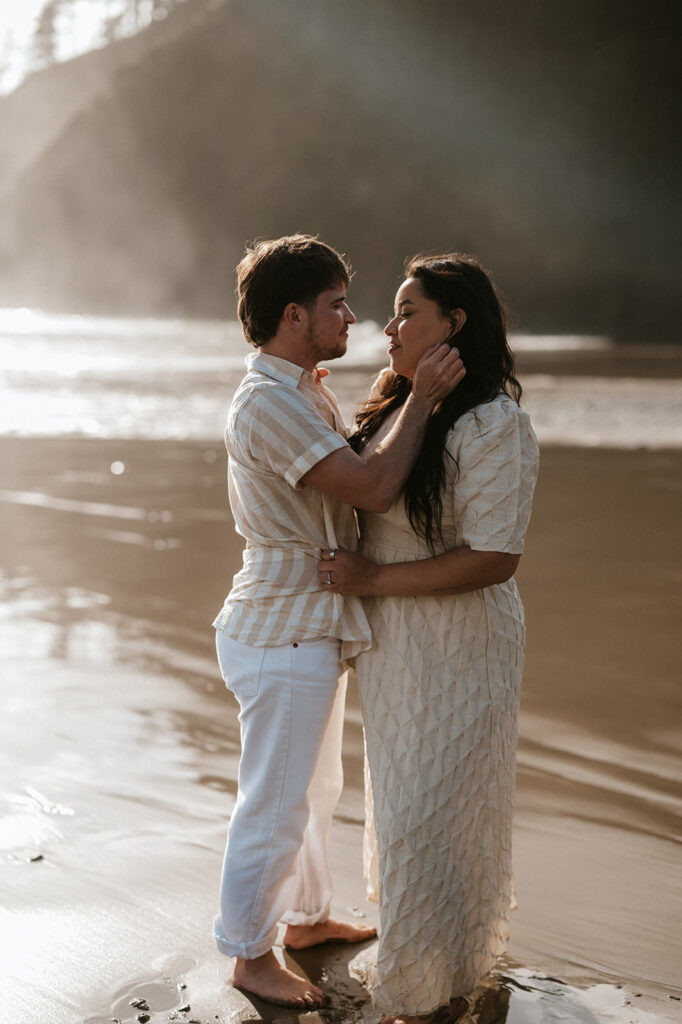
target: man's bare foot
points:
(301, 936)
(266, 978)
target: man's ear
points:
(294, 316)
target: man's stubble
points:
(319, 351)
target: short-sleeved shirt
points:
(275, 434)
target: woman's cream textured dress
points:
(440, 694)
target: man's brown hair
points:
(274, 273)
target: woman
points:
(440, 687)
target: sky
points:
(79, 30)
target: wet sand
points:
(119, 744)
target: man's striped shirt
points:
(275, 433)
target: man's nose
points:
(350, 316)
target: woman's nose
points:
(390, 327)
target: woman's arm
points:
(374, 481)
(454, 572)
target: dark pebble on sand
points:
(184, 1009)
(143, 1018)
(139, 1004)
(675, 997)
(38, 856)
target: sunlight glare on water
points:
(72, 375)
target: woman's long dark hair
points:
(453, 281)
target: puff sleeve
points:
(379, 381)
(497, 455)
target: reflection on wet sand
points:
(120, 746)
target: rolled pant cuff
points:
(245, 950)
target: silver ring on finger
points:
(329, 579)
(332, 554)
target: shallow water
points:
(119, 746)
(173, 379)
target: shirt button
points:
(295, 645)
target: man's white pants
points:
(290, 778)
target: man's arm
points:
(373, 482)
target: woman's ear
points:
(457, 318)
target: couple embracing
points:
(441, 470)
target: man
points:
(293, 480)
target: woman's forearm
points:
(453, 572)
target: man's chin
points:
(339, 351)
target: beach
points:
(149, 149)
(119, 743)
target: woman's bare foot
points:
(301, 936)
(445, 1015)
(266, 978)
(421, 1018)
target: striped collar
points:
(279, 369)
